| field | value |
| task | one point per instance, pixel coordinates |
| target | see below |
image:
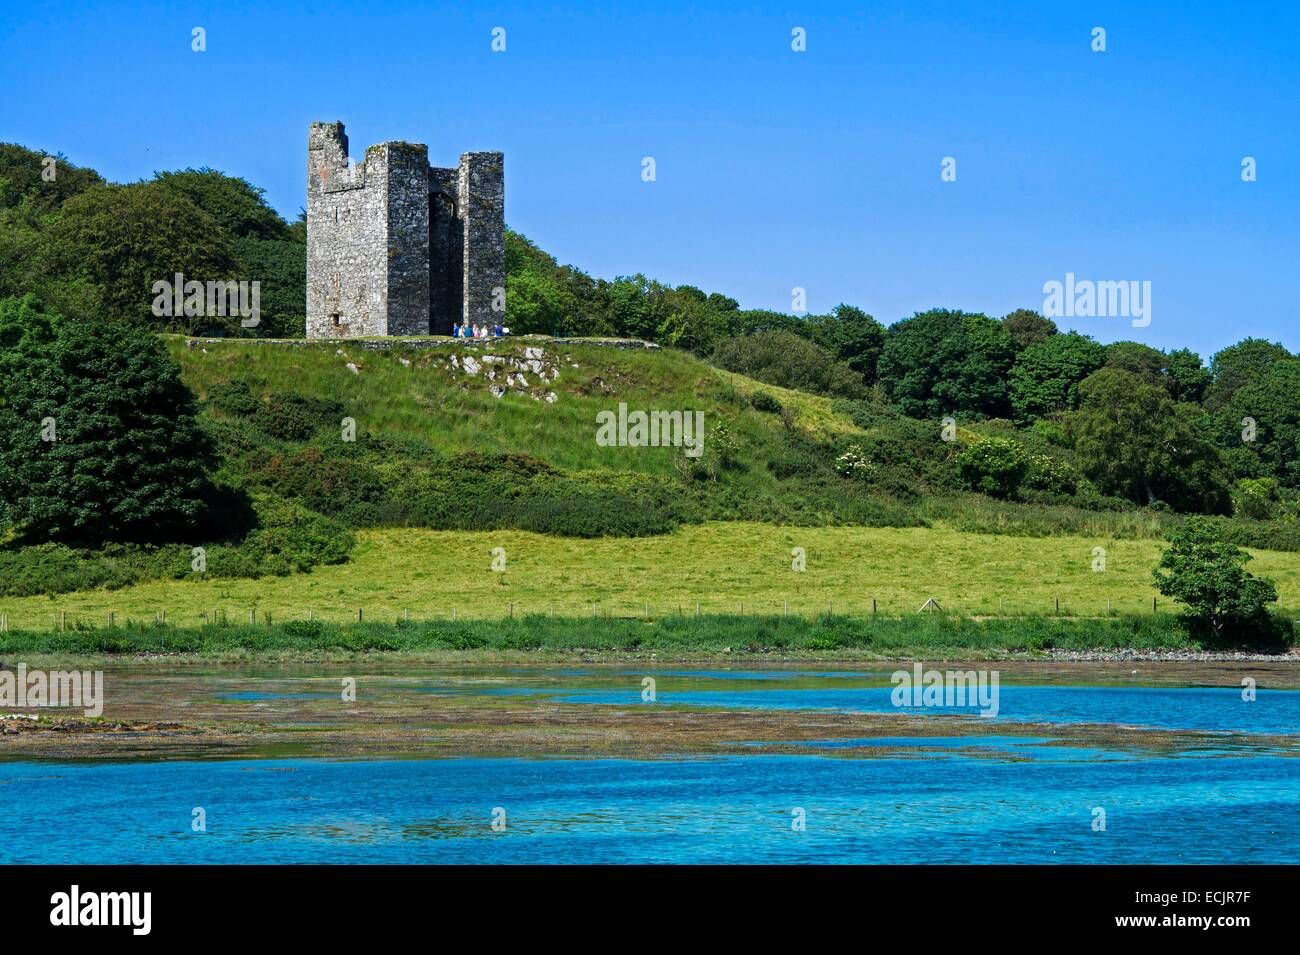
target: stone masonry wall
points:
(446, 245)
(481, 204)
(396, 247)
(347, 216)
(408, 238)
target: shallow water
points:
(951, 809)
(1214, 709)
(997, 796)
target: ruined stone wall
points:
(481, 204)
(446, 244)
(396, 247)
(347, 226)
(408, 237)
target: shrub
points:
(303, 629)
(994, 466)
(1255, 498)
(126, 459)
(233, 398)
(854, 463)
(291, 417)
(283, 415)
(765, 401)
(1046, 473)
(790, 361)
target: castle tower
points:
(396, 247)
(481, 188)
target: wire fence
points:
(648, 611)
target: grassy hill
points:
(444, 470)
(406, 392)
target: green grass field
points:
(415, 393)
(730, 568)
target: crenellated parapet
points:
(396, 246)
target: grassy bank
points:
(826, 636)
(725, 568)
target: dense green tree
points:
(1238, 364)
(26, 327)
(1137, 359)
(1181, 372)
(790, 361)
(1208, 576)
(1045, 378)
(536, 305)
(1134, 441)
(99, 439)
(942, 361)
(120, 240)
(236, 204)
(280, 266)
(634, 302)
(24, 179)
(852, 336)
(1186, 376)
(1260, 424)
(1027, 327)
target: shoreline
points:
(405, 711)
(605, 658)
(722, 641)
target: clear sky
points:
(775, 169)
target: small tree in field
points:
(1209, 577)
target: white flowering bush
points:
(854, 463)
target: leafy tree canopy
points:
(1260, 424)
(790, 361)
(852, 336)
(238, 205)
(1209, 577)
(1045, 378)
(1027, 327)
(1134, 441)
(99, 439)
(119, 240)
(942, 361)
(23, 179)
(1238, 364)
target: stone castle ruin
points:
(398, 247)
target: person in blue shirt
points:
(455, 330)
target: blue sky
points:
(775, 169)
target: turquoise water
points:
(1214, 709)
(995, 797)
(945, 809)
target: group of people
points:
(478, 331)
